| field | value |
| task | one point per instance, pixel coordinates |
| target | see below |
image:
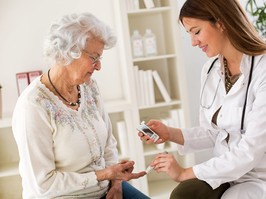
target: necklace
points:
(68, 102)
(229, 79)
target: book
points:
(151, 94)
(137, 83)
(161, 86)
(149, 3)
(22, 81)
(178, 118)
(122, 138)
(25, 78)
(142, 95)
(145, 85)
(33, 74)
(132, 5)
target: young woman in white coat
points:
(232, 108)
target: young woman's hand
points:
(159, 128)
(167, 163)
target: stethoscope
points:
(246, 96)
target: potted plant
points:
(259, 13)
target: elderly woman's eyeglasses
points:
(94, 60)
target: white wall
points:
(23, 27)
(194, 59)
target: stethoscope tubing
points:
(246, 95)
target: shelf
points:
(150, 150)
(117, 106)
(141, 59)
(123, 104)
(161, 189)
(9, 169)
(121, 157)
(6, 122)
(10, 187)
(161, 104)
(167, 63)
(147, 11)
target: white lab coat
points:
(243, 158)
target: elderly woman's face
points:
(89, 61)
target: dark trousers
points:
(197, 189)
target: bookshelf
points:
(124, 107)
(167, 63)
(10, 181)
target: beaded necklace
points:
(229, 79)
(68, 102)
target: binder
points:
(149, 4)
(22, 81)
(122, 138)
(150, 88)
(33, 75)
(161, 86)
(25, 78)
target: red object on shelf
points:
(25, 78)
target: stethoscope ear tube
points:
(212, 65)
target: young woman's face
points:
(209, 37)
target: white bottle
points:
(150, 45)
(137, 44)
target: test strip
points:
(149, 169)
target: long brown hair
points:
(239, 29)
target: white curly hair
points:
(69, 35)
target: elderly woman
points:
(232, 108)
(62, 130)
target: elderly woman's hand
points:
(120, 171)
(115, 191)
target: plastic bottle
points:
(137, 44)
(150, 45)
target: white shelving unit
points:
(10, 181)
(162, 20)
